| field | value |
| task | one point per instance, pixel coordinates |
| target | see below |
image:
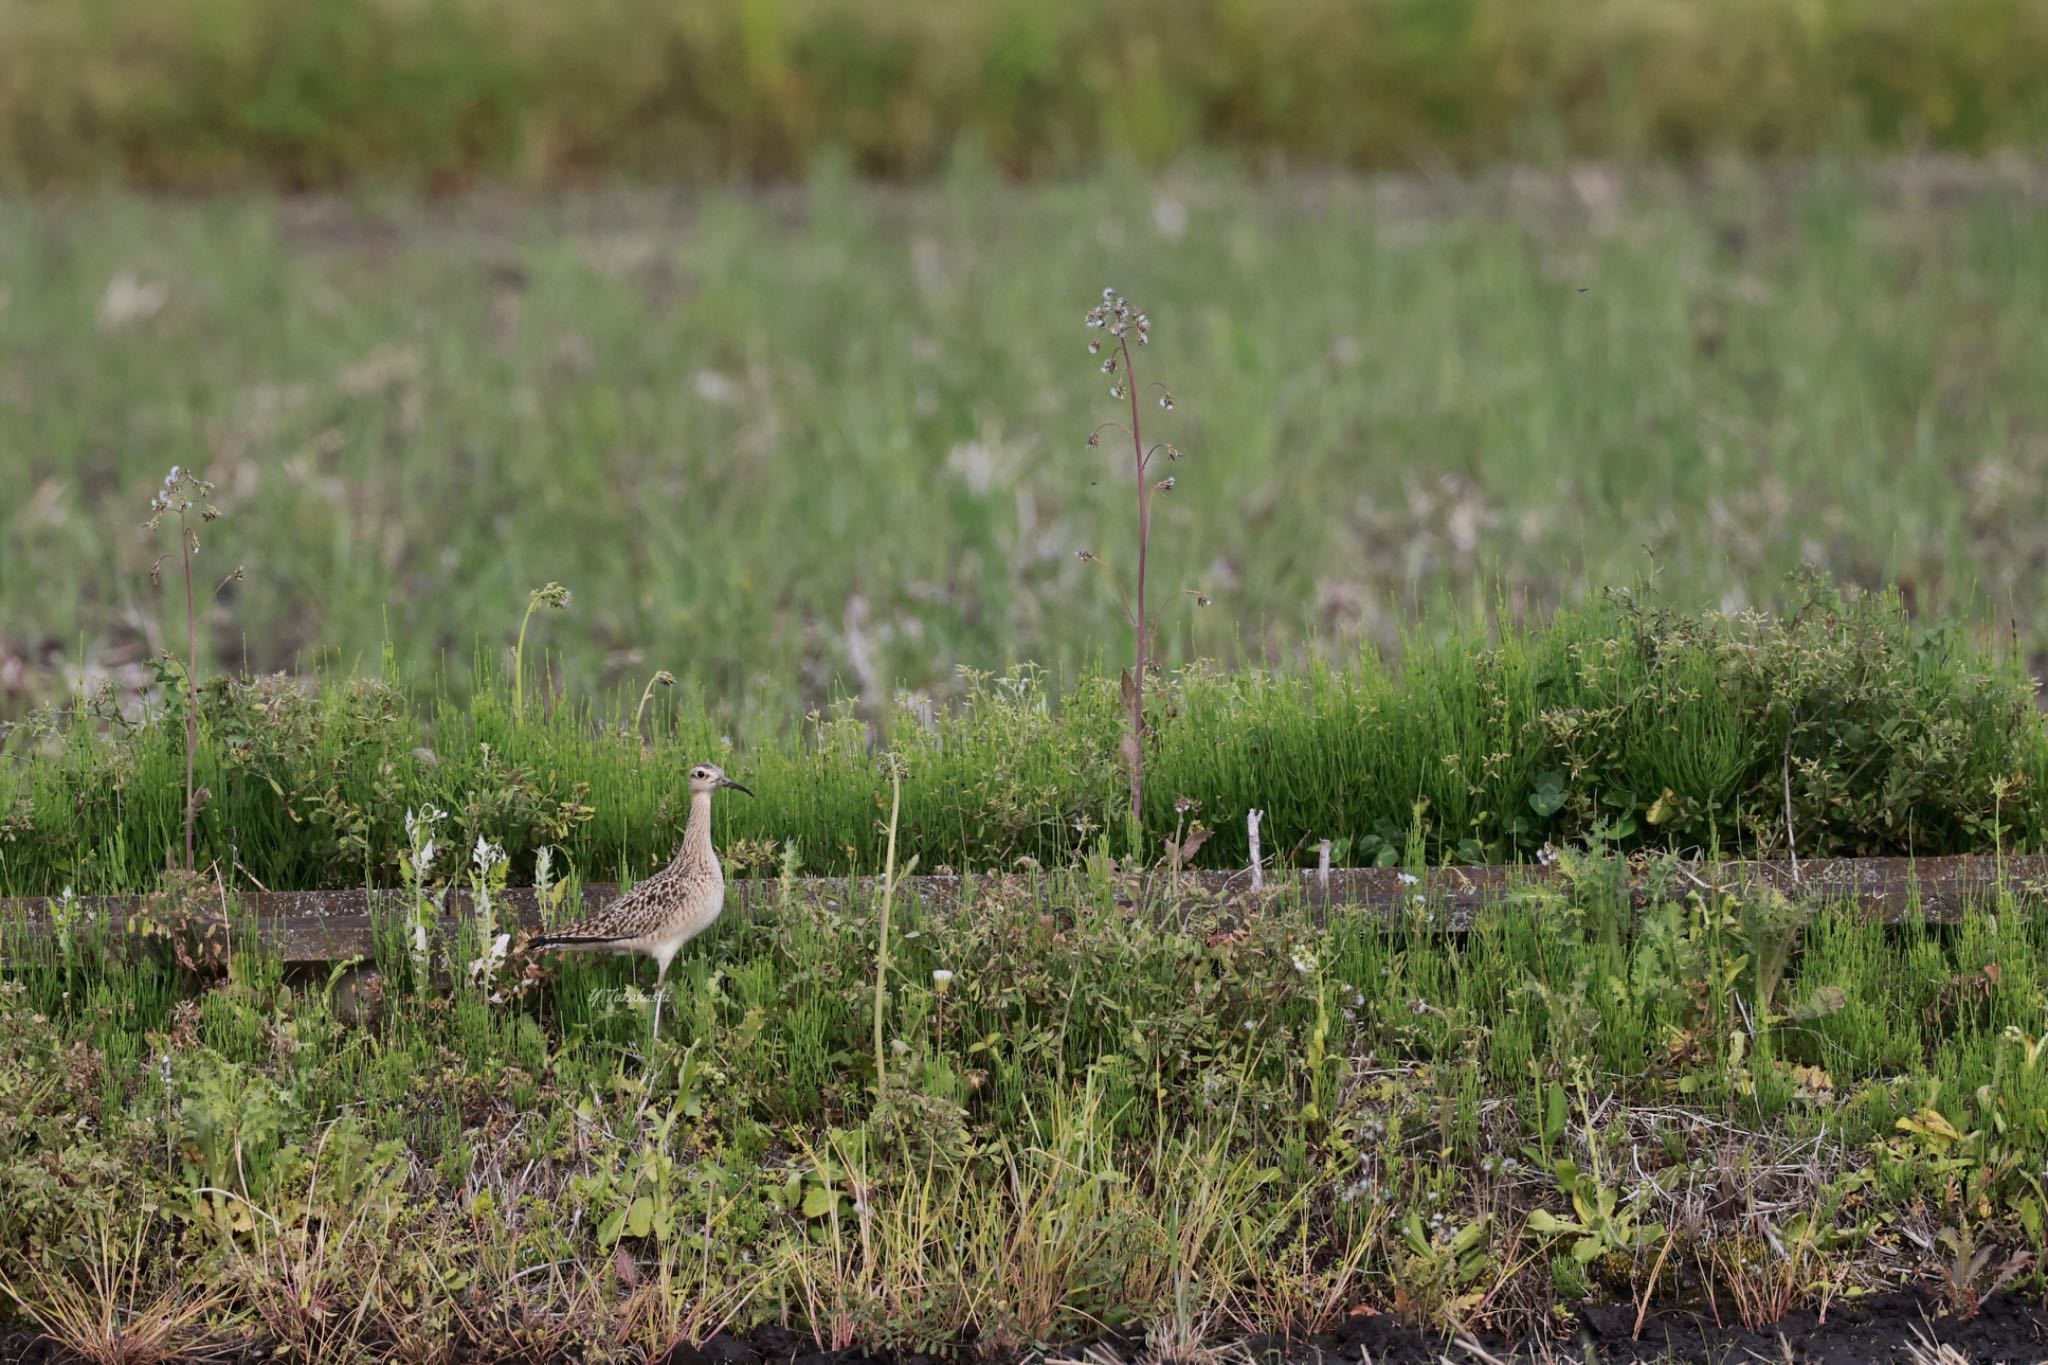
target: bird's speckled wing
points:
(633, 915)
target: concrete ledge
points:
(332, 926)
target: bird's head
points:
(706, 778)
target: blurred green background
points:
(199, 93)
(759, 325)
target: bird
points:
(659, 915)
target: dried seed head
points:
(1087, 556)
(1094, 438)
(1166, 401)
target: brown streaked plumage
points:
(659, 915)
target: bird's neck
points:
(696, 851)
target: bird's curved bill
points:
(728, 782)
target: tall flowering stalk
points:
(489, 868)
(424, 910)
(553, 595)
(1122, 322)
(185, 495)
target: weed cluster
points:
(1840, 729)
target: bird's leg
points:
(659, 977)
(654, 1036)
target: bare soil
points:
(2010, 1330)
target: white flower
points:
(941, 979)
(488, 964)
(1304, 962)
(1409, 879)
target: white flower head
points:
(941, 979)
(487, 965)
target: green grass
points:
(184, 93)
(1191, 1131)
(833, 441)
(1623, 725)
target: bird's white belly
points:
(667, 940)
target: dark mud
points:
(1879, 1330)
(1871, 1331)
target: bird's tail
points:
(573, 940)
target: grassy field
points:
(820, 456)
(1069, 1120)
(832, 441)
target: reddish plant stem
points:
(1144, 542)
(191, 684)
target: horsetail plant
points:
(1123, 321)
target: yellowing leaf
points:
(1929, 1123)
